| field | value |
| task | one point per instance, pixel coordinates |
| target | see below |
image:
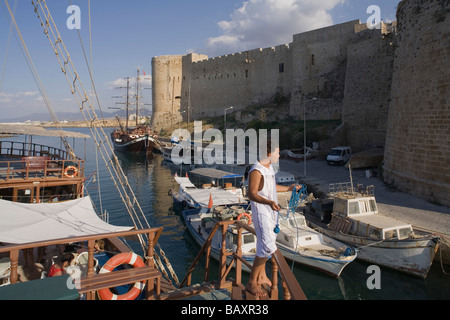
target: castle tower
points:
(166, 87)
(417, 153)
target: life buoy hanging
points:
(73, 170)
(119, 259)
(249, 217)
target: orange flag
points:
(210, 204)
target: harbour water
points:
(151, 179)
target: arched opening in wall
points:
(246, 73)
(281, 67)
(312, 60)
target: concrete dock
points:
(402, 206)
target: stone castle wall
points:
(417, 153)
(313, 65)
(367, 88)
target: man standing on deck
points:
(264, 203)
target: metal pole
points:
(304, 139)
(304, 134)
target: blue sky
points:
(127, 34)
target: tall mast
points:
(128, 103)
(137, 98)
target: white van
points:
(339, 155)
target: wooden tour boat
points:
(133, 139)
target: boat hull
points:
(182, 202)
(141, 144)
(215, 251)
(330, 266)
(411, 256)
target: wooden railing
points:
(290, 285)
(22, 149)
(20, 160)
(152, 234)
(41, 168)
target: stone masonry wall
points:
(368, 88)
(417, 153)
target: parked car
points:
(339, 155)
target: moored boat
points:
(200, 223)
(189, 196)
(379, 239)
(302, 244)
(138, 139)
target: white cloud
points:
(144, 82)
(266, 23)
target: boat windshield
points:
(353, 207)
(297, 222)
(405, 233)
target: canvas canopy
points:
(219, 197)
(25, 223)
(215, 173)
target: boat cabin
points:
(34, 173)
(358, 214)
(293, 232)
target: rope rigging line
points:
(89, 114)
(297, 197)
(23, 47)
(99, 136)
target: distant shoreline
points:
(83, 124)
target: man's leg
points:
(254, 285)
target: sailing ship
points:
(138, 138)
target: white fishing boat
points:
(302, 244)
(189, 196)
(200, 223)
(379, 239)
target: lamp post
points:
(225, 118)
(181, 119)
(304, 134)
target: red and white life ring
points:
(119, 259)
(249, 217)
(74, 171)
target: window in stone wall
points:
(281, 67)
(312, 60)
(246, 73)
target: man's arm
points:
(281, 188)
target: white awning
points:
(184, 182)
(24, 223)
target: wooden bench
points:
(123, 277)
(36, 163)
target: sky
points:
(126, 35)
